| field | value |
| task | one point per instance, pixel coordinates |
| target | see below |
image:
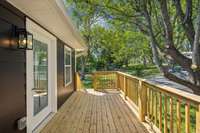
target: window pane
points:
(40, 54)
(67, 75)
(67, 56)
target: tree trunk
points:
(186, 21)
(196, 51)
(170, 50)
(195, 88)
(144, 61)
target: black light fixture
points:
(24, 39)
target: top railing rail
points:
(179, 93)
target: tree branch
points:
(176, 79)
(196, 45)
(186, 21)
(170, 48)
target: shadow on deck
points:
(95, 112)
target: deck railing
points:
(104, 80)
(78, 82)
(166, 108)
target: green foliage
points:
(112, 43)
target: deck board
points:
(94, 112)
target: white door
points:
(41, 77)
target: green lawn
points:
(141, 71)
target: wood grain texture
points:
(97, 112)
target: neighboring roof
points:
(52, 15)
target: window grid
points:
(67, 54)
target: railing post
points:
(78, 85)
(142, 101)
(198, 120)
(94, 80)
(76, 81)
(125, 87)
(118, 81)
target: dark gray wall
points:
(12, 71)
(63, 92)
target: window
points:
(68, 65)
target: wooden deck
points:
(94, 112)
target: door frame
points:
(42, 35)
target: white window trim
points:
(69, 49)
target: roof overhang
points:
(52, 15)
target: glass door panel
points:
(40, 72)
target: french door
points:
(41, 77)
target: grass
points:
(141, 71)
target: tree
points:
(114, 48)
(110, 44)
(84, 16)
(169, 25)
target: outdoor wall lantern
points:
(24, 39)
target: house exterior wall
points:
(12, 72)
(63, 91)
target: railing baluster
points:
(148, 102)
(178, 113)
(103, 83)
(151, 106)
(133, 91)
(125, 87)
(94, 80)
(137, 92)
(160, 113)
(156, 109)
(165, 114)
(142, 100)
(128, 91)
(171, 116)
(118, 81)
(187, 117)
(198, 119)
